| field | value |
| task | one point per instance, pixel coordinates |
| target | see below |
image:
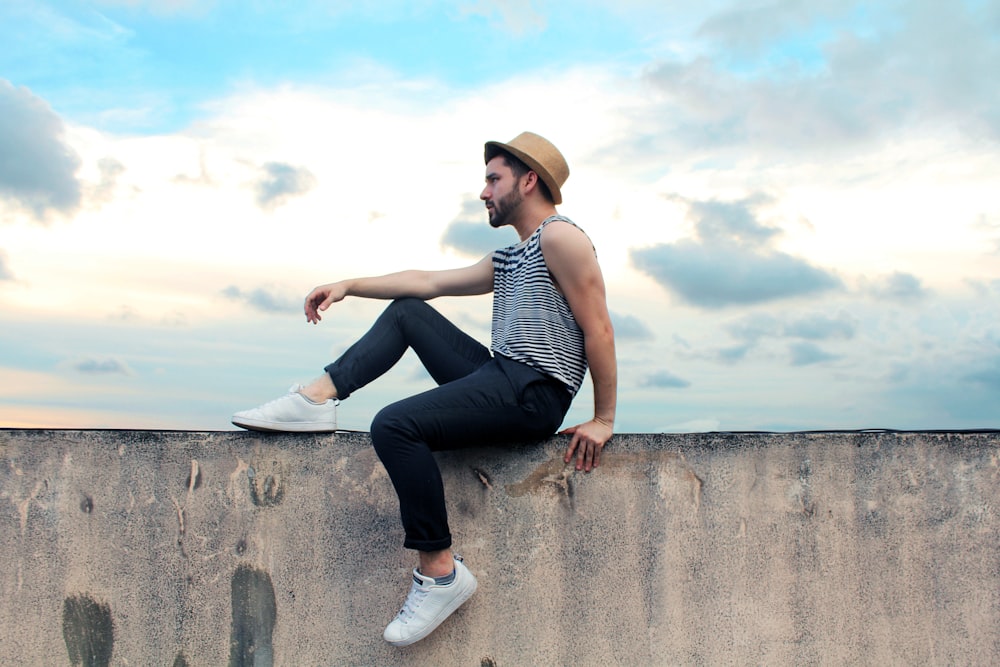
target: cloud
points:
(203, 178)
(897, 287)
(726, 274)
(988, 375)
(470, 233)
(110, 169)
(755, 328)
(990, 225)
(787, 77)
(822, 327)
(730, 355)
(518, 16)
(805, 354)
(5, 272)
(108, 366)
(629, 327)
(728, 263)
(37, 166)
(720, 221)
(281, 182)
(262, 300)
(664, 380)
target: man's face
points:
(502, 193)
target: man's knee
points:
(406, 305)
(390, 426)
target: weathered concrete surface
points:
(183, 548)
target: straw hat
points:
(541, 157)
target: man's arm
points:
(475, 279)
(572, 262)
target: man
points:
(550, 321)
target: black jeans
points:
(480, 400)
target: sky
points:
(796, 204)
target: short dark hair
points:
(519, 169)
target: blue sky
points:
(794, 202)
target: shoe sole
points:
(284, 427)
(445, 613)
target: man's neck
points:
(531, 219)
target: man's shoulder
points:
(559, 233)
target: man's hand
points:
(321, 298)
(588, 440)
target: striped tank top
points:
(532, 321)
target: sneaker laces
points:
(413, 601)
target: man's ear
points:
(531, 180)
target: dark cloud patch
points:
(629, 327)
(664, 380)
(108, 366)
(729, 263)
(897, 287)
(37, 166)
(805, 354)
(263, 300)
(281, 182)
(720, 221)
(727, 274)
(470, 232)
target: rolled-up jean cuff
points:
(342, 390)
(427, 545)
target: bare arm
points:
(572, 262)
(475, 279)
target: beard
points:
(504, 208)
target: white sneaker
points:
(292, 412)
(428, 604)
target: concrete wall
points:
(184, 548)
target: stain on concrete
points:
(180, 660)
(483, 478)
(87, 504)
(194, 480)
(487, 662)
(267, 486)
(552, 476)
(88, 631)
(255, 612)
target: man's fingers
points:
(583, 455)
(573, 444)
